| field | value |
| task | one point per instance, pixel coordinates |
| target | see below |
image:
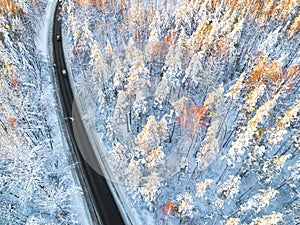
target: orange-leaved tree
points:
(168, 208)
(8, 7)
(12, 121)
(193, 117)
(266, 72)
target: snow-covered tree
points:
(185, 205)
(133, 176)
(202, 186)
(149, 138)
(260, 201)
(119, 161)
(274, 218)
(150, 189)
(122, 109)
(229, 188)
(100, 73)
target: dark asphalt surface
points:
(100, 200)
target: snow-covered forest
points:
(197, 103)
(37, 179)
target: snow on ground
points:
(84, 103)
(44, 27)
(77, 203)
(197, 106)
(38, 183)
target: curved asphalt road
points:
(100, 200)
